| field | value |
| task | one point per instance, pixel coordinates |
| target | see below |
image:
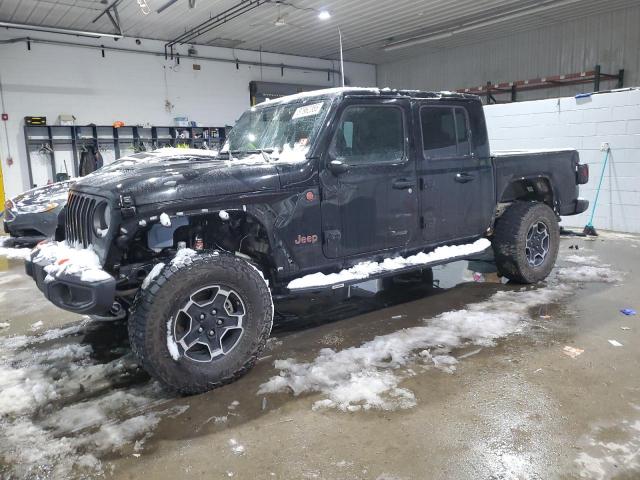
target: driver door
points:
(369, 197)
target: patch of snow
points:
(368, 376)
(4, 325)
(61, 412)
(365, 377)
(71, 260)
(317, 93)
(36, 326)
(155, 271)
(183, 256)
(529, 151)
(365, 269)
(172, 346)
(165, 221)
(591, 260)
(183, 152)
(602, 458)
(587, 273)
(236, 448)
(15, 253)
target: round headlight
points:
(101, 219)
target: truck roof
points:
(373, 91)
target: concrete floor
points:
(520, 409)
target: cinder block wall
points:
(584, 124)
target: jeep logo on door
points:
(303, 240)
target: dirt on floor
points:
(474, 378)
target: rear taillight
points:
(582, 174)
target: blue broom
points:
(589, 229)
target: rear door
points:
(372, 204)
(457, 185)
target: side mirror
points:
(337, 167)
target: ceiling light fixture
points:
(64, 31)
(324, 15)
(418, 40)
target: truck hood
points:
(158, 177)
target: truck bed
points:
(550, 171)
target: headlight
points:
(37, 208)
(102, 219)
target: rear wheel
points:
(201, 323)
(526, 242)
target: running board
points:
(365, 271)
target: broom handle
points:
(595, 201)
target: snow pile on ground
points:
(72, 260)
(591, 260)
(364, 270)
(13, 253)
(588, 273)
(62, 411)
(369, 376)
(611, 458)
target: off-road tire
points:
(161, 301)
(510, 241)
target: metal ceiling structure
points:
(374, 31)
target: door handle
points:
(463, 177)
(403, 184)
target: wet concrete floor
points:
(519, 409)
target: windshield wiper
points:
(265, 152)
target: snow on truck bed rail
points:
(363, 270)
(71, 260)
(529, 151)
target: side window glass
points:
(438, 132)
(370, 134)
(462, 129)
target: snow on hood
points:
(54, 192)
(64, 258)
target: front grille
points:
(79, 219)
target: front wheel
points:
(526, 242)
(201, 323)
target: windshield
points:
(282, 131)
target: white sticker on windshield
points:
(307, 110)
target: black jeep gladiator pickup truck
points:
(311, 191)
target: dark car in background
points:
(33, 216)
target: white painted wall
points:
(583, 124)
(50, 80)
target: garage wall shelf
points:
(49, 139)
(595, 76)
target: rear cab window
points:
(445, 131)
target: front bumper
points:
(69, 292)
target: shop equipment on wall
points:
(595, 76)
(74, 139)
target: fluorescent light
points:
(474, 25)
(38, 28)
(324, 15)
